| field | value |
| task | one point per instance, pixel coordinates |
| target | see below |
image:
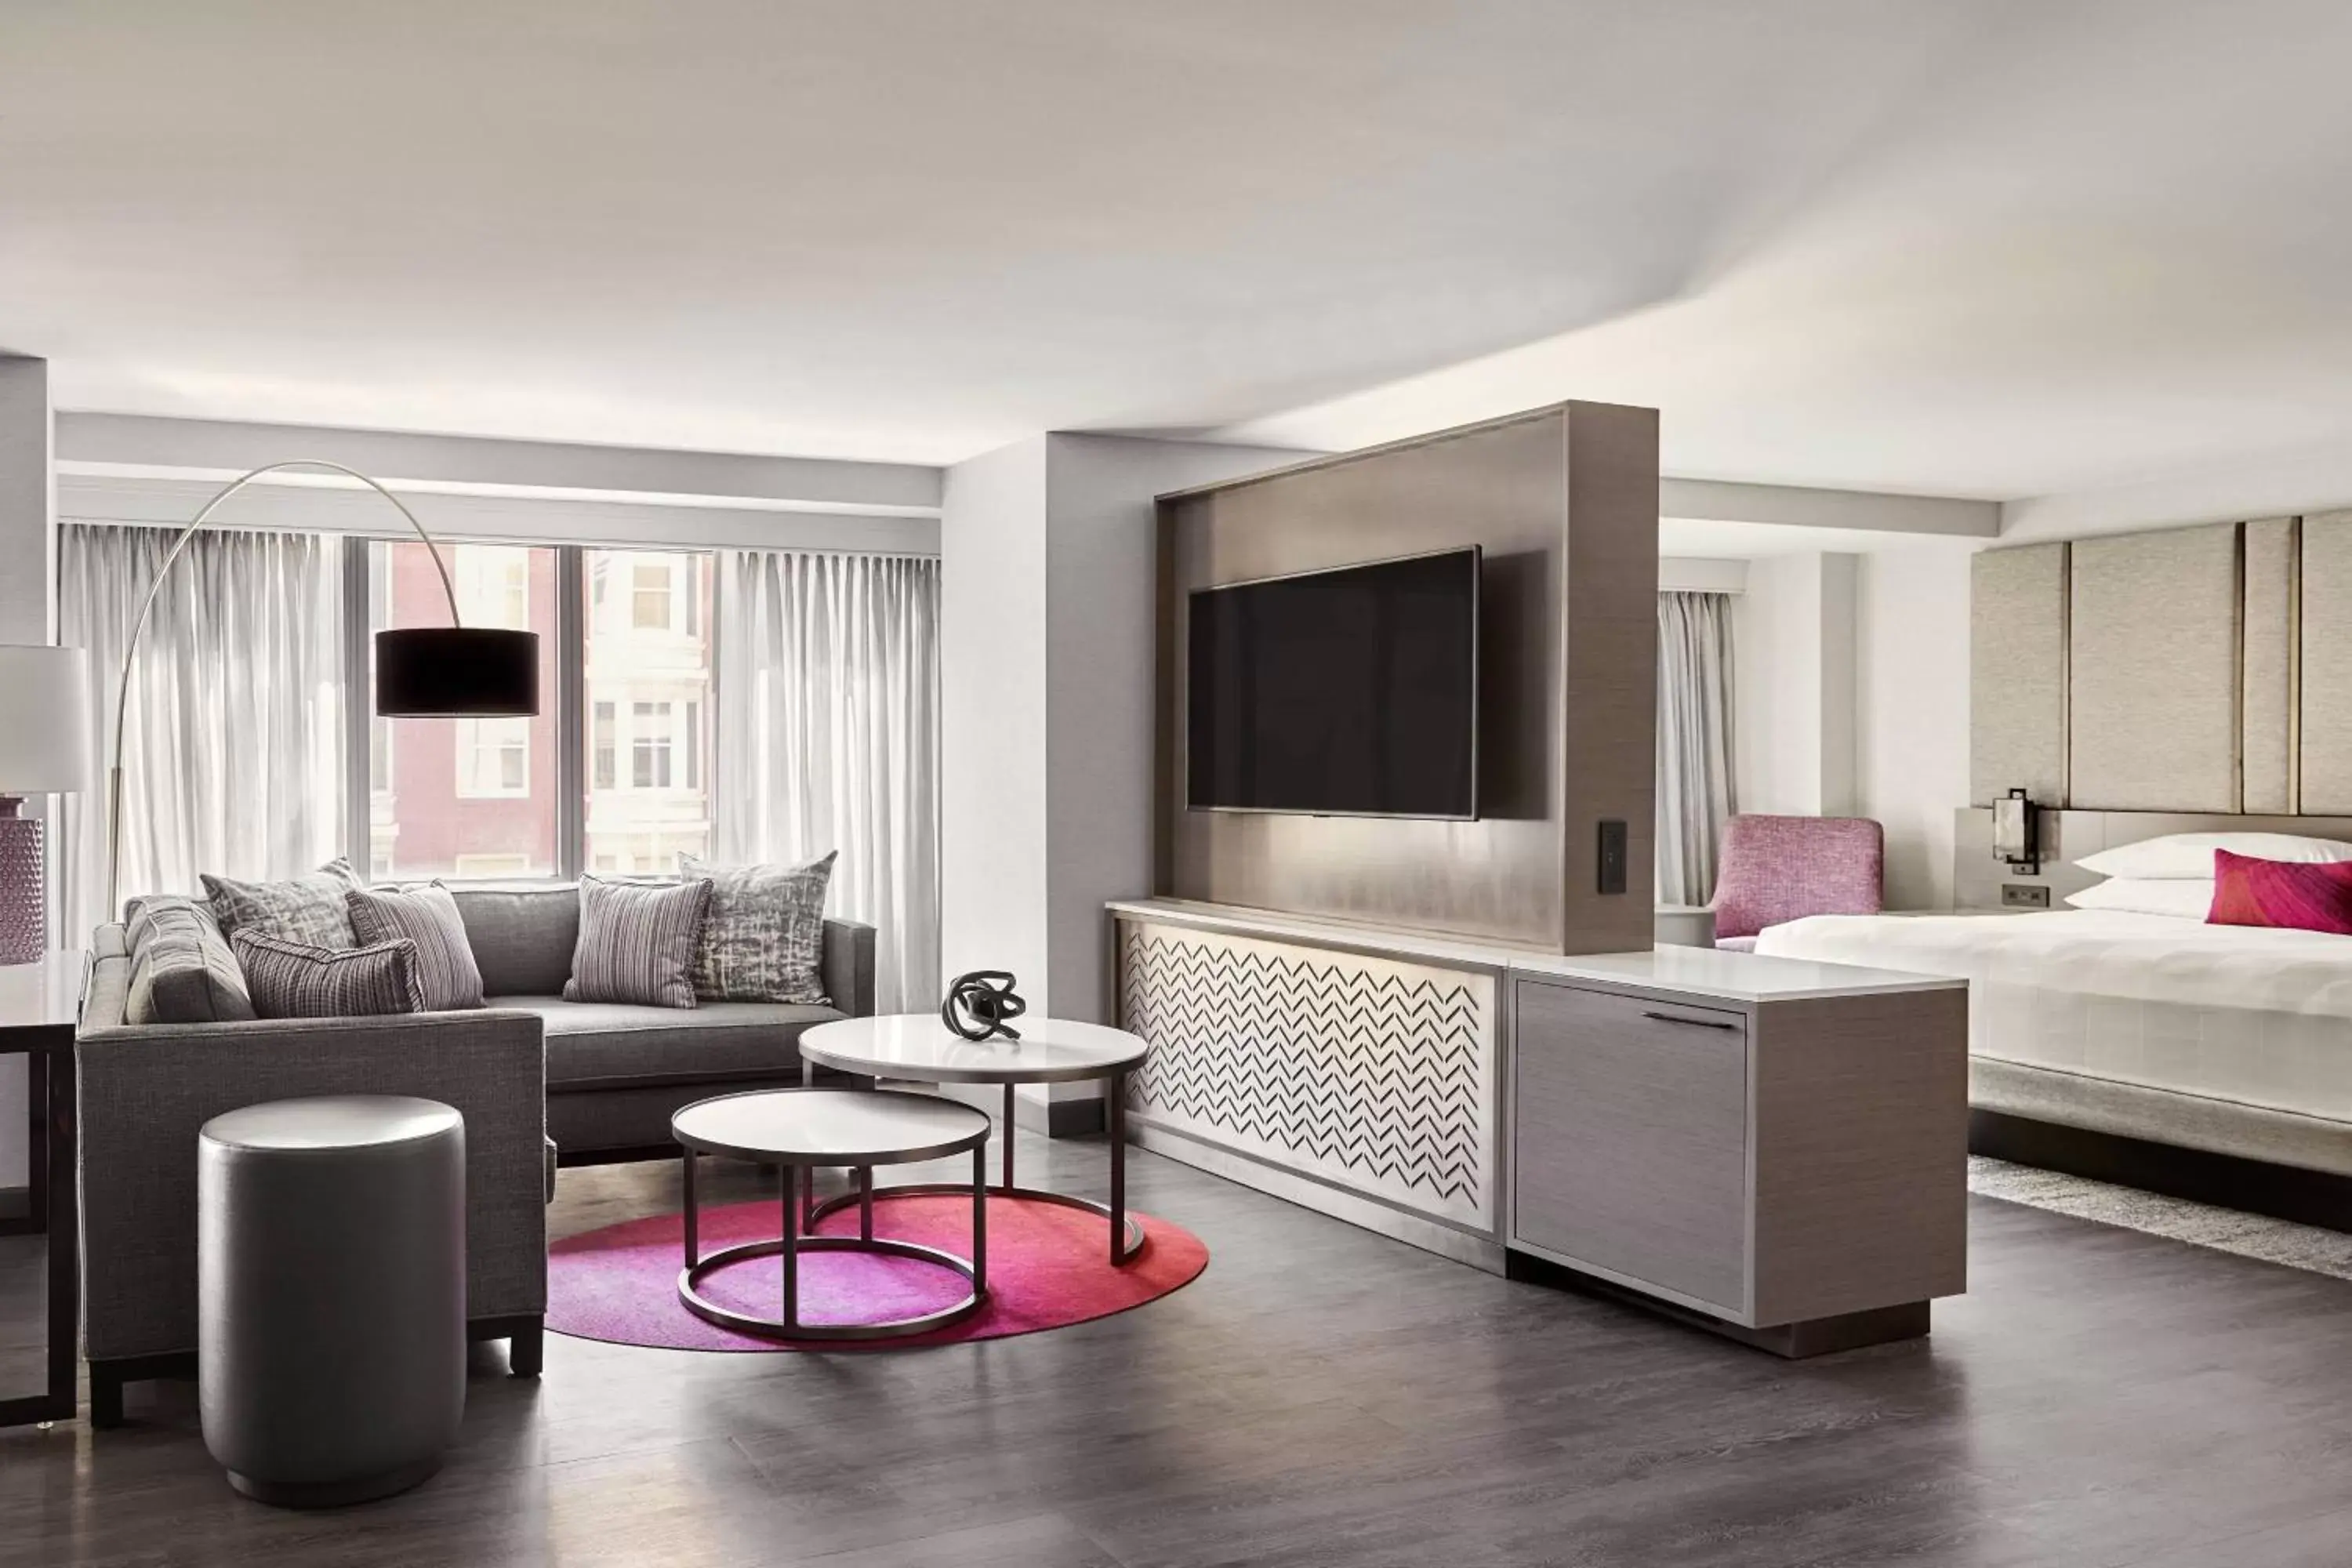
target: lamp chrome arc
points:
(147, 610)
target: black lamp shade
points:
(457, 673)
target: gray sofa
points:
(600, 1081)
(615, 1073)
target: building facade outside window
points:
(647, 673)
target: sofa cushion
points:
(298, 980)
(307, 909)
(181, 970)
(637, 941)
(428, 917)
(522, 938)
(609, 1045)
(764, 936)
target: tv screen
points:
(1348, 692)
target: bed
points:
(2141, 1030)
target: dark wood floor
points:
(1324, 1397)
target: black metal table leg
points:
(1010, 1108)
(693, 1219)
(1115, 1121)
(980, 1221)
(791, 1254)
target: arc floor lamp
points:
(455, 671)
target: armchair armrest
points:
(145, 1092)
(848, 966)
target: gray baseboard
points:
(1308, 1191)
(1055, 1119)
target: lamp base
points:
(23, 893)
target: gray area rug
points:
(2201, 1225)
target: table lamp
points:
(43, 750)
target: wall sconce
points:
(2014, 836)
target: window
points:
(493, 757)
(476, 796)
(649, 596)
(493, 866)
(649, 745)
(494, 585)
(606, 772)
(648, 713)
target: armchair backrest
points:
(1778, 868)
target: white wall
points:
(1792, 629)
(1853, 698)
(992, 734)
(1912, 699)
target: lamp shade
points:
(457, 673)
(44, 721)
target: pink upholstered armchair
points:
(1779, 869)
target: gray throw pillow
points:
(428, 917)
(305, 909)
(181, 970)
(297, 980)
(764, 938)
(637, 942)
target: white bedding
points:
(2252, 1016)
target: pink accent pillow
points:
(2289, 895)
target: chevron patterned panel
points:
(1376, 1075)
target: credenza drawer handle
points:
(1694, 1023)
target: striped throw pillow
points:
(636, 942)
(296, 980)
(427, 916)
(306, 908)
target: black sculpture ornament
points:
(981, 1005)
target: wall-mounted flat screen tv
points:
(1351, 692)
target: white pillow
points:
(2183, 896)
(2190, 855)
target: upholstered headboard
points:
(2204, 669)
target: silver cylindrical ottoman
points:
(330, 1272)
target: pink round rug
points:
(1048, 1267)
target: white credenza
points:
(1774, 1147)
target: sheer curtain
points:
(234, 759)
(1694, 696)
(828, 739)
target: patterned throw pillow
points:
(428, 917)
(764, 938)
(305, 909)
(637, 942)
(297, 980)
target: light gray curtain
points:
(828, 708)
(234, 759)
(1694, 696)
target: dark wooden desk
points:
(39, 1004)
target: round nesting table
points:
(917, 1048)
(801, 1129)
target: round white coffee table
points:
(917, 1048)
(801, 1129)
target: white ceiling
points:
(1944, 246)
